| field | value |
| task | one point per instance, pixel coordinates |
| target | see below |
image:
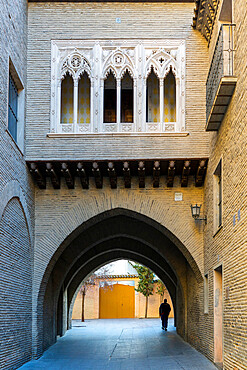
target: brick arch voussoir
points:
(13, 190)
(70, 232)
(107, 215)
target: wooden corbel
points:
(156, 174)
(97, 176)
(55, 180)
(171, 174)
(126, 175)
(112, 175)
(83, 176)
(37, 175)
(141, 174)
(185, 174)
(67, 175)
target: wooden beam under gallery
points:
(141, 174)
(97, 175)
(185, 174)
(126, 175)
(67, 175)
(38, 177)
(55, 179)
(156, 174)
(183, 168)
(171, 174)
(112, 175)
(201, 172)
(83, 176)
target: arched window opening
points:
(170, 98)
(67, 100)
(84, 99)
(153, 98)
(127, 98)
(110, 99)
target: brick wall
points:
(228, 246)
(15, 288)
(60, 212)
(47, 22)
(16, 202)
(62, 220)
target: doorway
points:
(218, 317)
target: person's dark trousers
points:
(164, 320)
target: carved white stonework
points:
(110, 127)
(127, 127)
(169, 127)
(83, 128)
(98, 58)
(153, 127)
(66, 128)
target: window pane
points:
(127, 98)
(169, 98)
(153, 100)
(110, 99)
(67, 100)
(12, 111)
(84, 99)
(12, 124)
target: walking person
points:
(164, 310)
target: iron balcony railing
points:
(222, 64)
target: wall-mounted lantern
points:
(195, 211)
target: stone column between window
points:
(135, 106)
(93, 124)
(101, 104)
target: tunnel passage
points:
(109, 236)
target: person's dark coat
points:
(165, 309)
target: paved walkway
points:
(120, 344)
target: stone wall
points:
(227, 246)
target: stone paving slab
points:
(121, 344)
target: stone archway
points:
(113, 234)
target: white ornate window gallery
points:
(117, 87)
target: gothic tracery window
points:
(127, 95)
(103, 88)
(84, 99)
(153, 98)
(67, 99)
(110, 99)
(170, 98)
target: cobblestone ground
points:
(121, 344)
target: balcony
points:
(221, 81)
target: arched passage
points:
(118, 233)
(111, 256)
